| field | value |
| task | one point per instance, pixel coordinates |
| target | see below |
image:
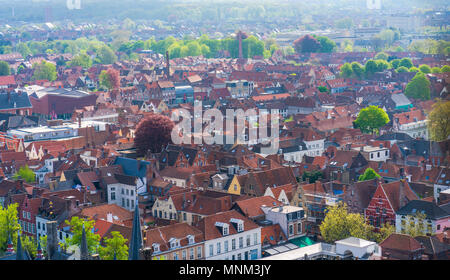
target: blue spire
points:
(136, 237)
(19, 255)
(39, 255)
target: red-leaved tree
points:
(152, 134)
(307, 44)
(110, 78)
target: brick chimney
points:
(401, 193)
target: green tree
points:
(339, 224)
(29, 244)
(396, 63)
(44, 71)
(346, 70)
(358, 70)
(406, 62)
(76, 227)
(369, 174)
(322, 89)
(439, 121)
(414, 225)
(370, 68)
(418, 87)
(445, 69)
(312, 176)
(436, 70)
(106, 55)
(4, 68)
(371, 119)
(414, 69)
(23, 49)
(25, 173)
(326, 44)
(385, 231)
(115, 244)
(82, 60)
(382, 55)
(402, 69)
(9, 225)
(425, 69)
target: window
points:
(128, 202)
(184, 254)
(175, 256)
(233, 244)
(39, 225)
(218, 248)
(127, 192)
(291, 229)
(255, 238)
(241, 242)
(113, 196)
(226, 245)
(24, 214)
(28, 215)
(199, 252)
(131, 192)
(211, 250)
(132, 203)
(191, 253)
(248, 240)
(184, 216)
(299, 227)
(123, 202)
(239, 256)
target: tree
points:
(76, 227)
(418, 87)
(396, 63)
(109, 79)
(382, 55)
(44, 71)
(414, 69)
(326, 44)
(406, 62)
(312, 176)
(435, 70)
(82, 60)
(9, 225)
(25, 173)
(346, 70)
(115, 244)
(23, 49)
(385, 231)
(4, 68)
(369, 174)
(106, 55)
(370, 68)
(425, 69)
(306, 44)
(339, 224)
(445, 69)
(358, 70)
(152, 134)
(370, 119)
(322, 89)
(402, 69)
(29, 244)
(439, 121)
(414, 225)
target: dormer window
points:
(224, 227)
(238, 224)
(174, 243)
(191, 239)
(155, 247)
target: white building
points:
(374, 153)
(231, 236)
(289, 218)
(122, 190)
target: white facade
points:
(429, 225)
(358, 247)
(315, 147)
(122, 195)
(414, 129)
(41, 230)
(288, 217)
(239, 246)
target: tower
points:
(167, 65)
(373, 4)
(136, 237)
(240, 36)
(84, 252)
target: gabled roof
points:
(252, 207)
(400, 242)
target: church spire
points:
(136, 237)
(39, 255)
(10, 248)
(19, 255)
(84, 252)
